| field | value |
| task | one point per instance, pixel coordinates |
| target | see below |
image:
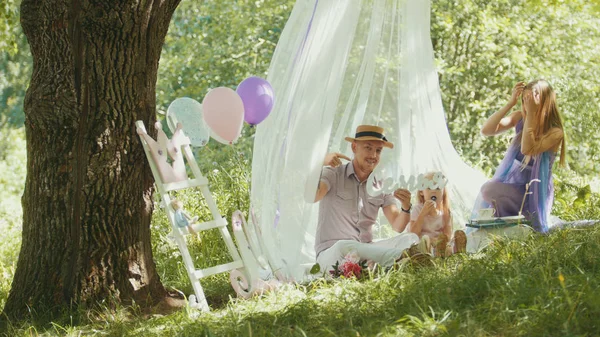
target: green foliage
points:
(12, 179)
(218, 43)
(13, 167)
(10, 244)
(484, 47)
(9, 19)
(15, 71)
(574, 198)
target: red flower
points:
(351, 269)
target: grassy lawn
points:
(544, 285)
(541, 286)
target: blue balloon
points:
(188, 112)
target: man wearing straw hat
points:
(347, 213)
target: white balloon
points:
(188, 112)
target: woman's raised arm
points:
(499, 122)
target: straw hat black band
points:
(370, 134)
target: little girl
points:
(431, 220)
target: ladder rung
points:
(217, 223)
(185, 184)
(200, 273)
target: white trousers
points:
(383, 252)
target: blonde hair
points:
(547, 115)
(447, 214)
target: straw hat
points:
(370, 132)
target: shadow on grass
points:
(541, 286)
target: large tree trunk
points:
(88, 194)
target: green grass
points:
(541, 286)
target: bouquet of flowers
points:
(351, 266)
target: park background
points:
(542, 286)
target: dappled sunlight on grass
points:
(513, 289)
(537, 286)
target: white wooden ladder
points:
(245, 265)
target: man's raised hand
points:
(404, 196)
(334, 159)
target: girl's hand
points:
(517, 91)
(429, 207)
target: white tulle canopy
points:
(339, 64)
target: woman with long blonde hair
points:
(527, 165)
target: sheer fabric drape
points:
(339, 64)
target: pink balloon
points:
(216, 137)
(224, 113)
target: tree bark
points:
(88, 193)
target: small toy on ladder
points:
(182, 219)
